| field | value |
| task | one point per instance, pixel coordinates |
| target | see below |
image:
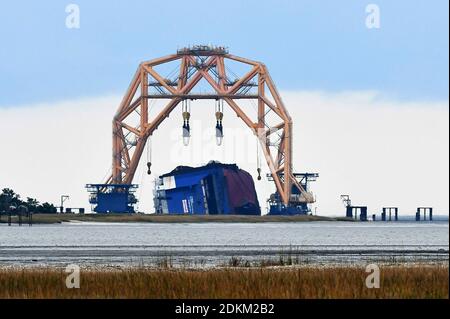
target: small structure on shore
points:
(19, 213)
(424, 210)
(389, 210)
(352, 211)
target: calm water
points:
(211, 244)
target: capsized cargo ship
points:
(212, 189)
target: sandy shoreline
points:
(152, 218)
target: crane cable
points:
(149, 154)
(258, 159)
(141, 171)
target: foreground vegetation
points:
(396, 282)
(147, 218)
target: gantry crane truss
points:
(207, 63)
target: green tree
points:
(7, 198)
(32, 204)
(46, 208)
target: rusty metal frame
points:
(125, 162)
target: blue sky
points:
(307, 45)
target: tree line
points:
(8, 199)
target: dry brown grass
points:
(396, 282)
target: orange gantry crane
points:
(208, 63)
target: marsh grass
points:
(396, 282)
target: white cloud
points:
(382, 152)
